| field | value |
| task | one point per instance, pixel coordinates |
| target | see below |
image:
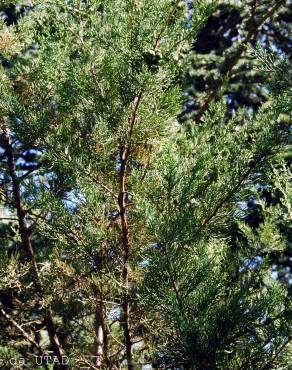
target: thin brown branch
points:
(133, 117)
(168, 20)
(124, 155)
(23, 332)
(24, 176)
(8, 219)
(125, 152)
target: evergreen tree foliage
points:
(126, 233)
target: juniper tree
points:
(119, 248)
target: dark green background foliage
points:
(145, 184)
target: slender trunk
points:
(124, 154)
(26, 242)
(107, 362)
(127, 334)
(125, 151)
(101, 359)
(99, 335)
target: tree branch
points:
(23, 332)
(26, 242)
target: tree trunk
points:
(124, 155)
(27, 246)
(99, 335)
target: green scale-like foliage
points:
(94, 89)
